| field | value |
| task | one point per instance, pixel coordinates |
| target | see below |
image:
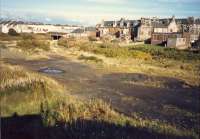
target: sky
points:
(91, 12)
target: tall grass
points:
(67, 42)
(112, 50)
(73, 116)
(6, 37)
(169, 53)
(146, 52)
(22, 91)
(30, 43)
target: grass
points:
(168, 53)
(71, 114)
(24, 92)
(3, 46)
(90, 58)
(67, 42)
(153, 60)
(30, 43)
(6, 37)
(110, 50)
(146, 52)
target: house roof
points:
(111, 23)
(182, 21)
(160, 25)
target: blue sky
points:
(93, 11)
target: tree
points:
(12, 32)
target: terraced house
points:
(121, 29)
(178, 33)
(171, 32)
(136, 30)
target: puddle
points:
(51, 70)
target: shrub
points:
(12, 32)
(92, 39)
(3, 46)
(111, 50)
(29, 43)
(67, 42)
(141, 55)
(6, 37)
(169, 53)
(63, 42)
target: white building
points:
(170, 27)
(22, 27)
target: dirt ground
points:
(176, 103)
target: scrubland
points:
(24, 92)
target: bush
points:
(67, 42)
(29, 43)
(6, 37)
(111, 50)
(92, 39)
(63, 42)
(169, 53)
(141, 55)
(12, 32)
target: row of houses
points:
(56, 31)
(172, 32)
(33, 27)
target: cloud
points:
(48, 19)
(178, 1)
(107, 1)
(93, 11)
